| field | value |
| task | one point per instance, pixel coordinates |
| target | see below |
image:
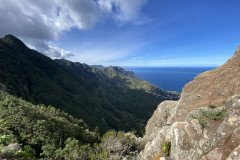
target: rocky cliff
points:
(204, 124)
(212, 87)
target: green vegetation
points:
(214, 115)
(212, 106)
(119, 102)
(209, 115)
(192, 116)
(49, 133)
(128, 79)
(115, 145)
(45, 129)
(202, 121)
(105, 98)
(166, 146)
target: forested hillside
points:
(74, 88)
(30, 131)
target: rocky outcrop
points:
(211, 87)
(161, 117)
(8, 152)
(192, 139)
(204, 124)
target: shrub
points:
(211, 115)
(214, 115)
(5, 140)
(202, 122)
(23, 155)
(212, 106)
(191, 116)
(166, 145)
(117, 145)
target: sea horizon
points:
(169, 78)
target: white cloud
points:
(124, 11)
(45, 20)
(47, 48)
(56, 52)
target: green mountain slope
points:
(75, 89)
(116, 76)
(128, 79)
(31, 132)
(45, 129)
(111, 91)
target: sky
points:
(141, 33)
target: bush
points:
(44, 129)
(23, 155)
(214, 115)
(202, 122)
(5, 140)
(166, 145)
(209, 115)
(117, 145)
(212, 106)
(192, 116)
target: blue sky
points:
(128, 32)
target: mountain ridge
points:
(130, 80)
(73, 87)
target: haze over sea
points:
(168, 78)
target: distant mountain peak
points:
(12, 40)
(10, 36)
(98, 66)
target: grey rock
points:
(219, 140)
(161, 117)
(14, 146)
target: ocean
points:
(168, 78)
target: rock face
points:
(8, 152)
(211, 87)
(161, 117)
(196, 129)
(191, 140)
